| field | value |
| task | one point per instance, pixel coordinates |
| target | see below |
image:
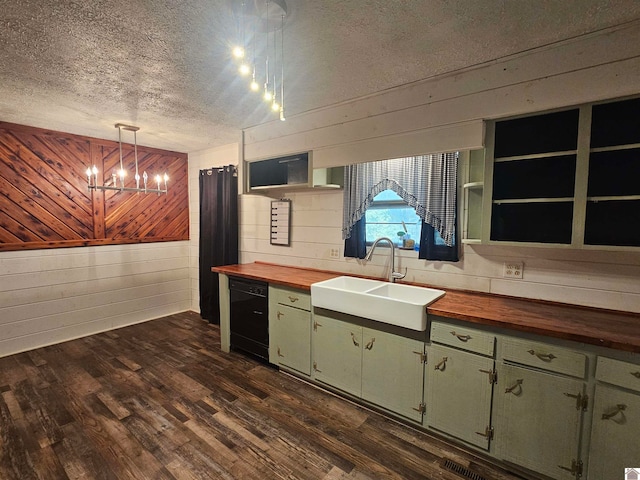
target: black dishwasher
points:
(249, 317)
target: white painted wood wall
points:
(49, 296)
(446, 113)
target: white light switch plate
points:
(513, 270)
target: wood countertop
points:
(605, 328)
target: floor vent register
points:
(461, 470)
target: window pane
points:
(384, 218)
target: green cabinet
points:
(539, 403)
(459, 394)
(460, 379)
(392, 372)
(616, 419)
(337, 354)
(538, 420)
(383, 368)
(290, 329)
(564, 178)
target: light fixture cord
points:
(135, 153)
(120, 143)
(282, 65)
(266, 75)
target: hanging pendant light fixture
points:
(92, 172)
(262, 14)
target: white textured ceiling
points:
(80, 66)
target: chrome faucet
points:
(393, 275)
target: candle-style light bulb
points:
(145, 177)
(122, 173)
(166, 179)
(94, 170)
(158, 180)
(137, 177)
(89, 176)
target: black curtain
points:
(218, 233)
(356, 245)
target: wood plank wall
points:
(45, 202)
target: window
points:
(385, 217)
(426, 183)
(389, 215)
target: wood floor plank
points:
(160, 401)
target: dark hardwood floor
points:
(159, 400)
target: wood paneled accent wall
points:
(45, 202)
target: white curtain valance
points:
(426, 182)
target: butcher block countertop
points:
(606, 328)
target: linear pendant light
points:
(92, 172)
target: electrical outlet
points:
(334, 253)
(513, 270)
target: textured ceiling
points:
(81, 66)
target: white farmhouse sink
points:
(392, 303)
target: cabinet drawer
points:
(294, 298)
(544, 356)
(464, 338)
(616, 372)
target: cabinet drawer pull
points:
(369, 345)
(636, 374)
(619, 409)
(316, 325)
(441, 365)
(293, 299)
(514, 386)
(280, 354)
(353, 339)
(462, 338)
(279, 314)
(545, 357)
(315, 367)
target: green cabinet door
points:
(615, 435)
(460, 385)
(337, 354)
(392, 372)
(291, 328)
(538, 420)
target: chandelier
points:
(121, 174)
(260, 50)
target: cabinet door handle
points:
(545, 357)
(369, 345)
(636, 374)
(316, 325)
(353, 339)
(581, 400)
(621, 407)
(280, 354)
(514, 386)
(279, 314)
(315, 367)
(441, 365)
(462, 338)
(293, 299)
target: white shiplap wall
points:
(597, 66)
(202, 160)
(602, 279)
(49, 296)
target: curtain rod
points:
(209, 171)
